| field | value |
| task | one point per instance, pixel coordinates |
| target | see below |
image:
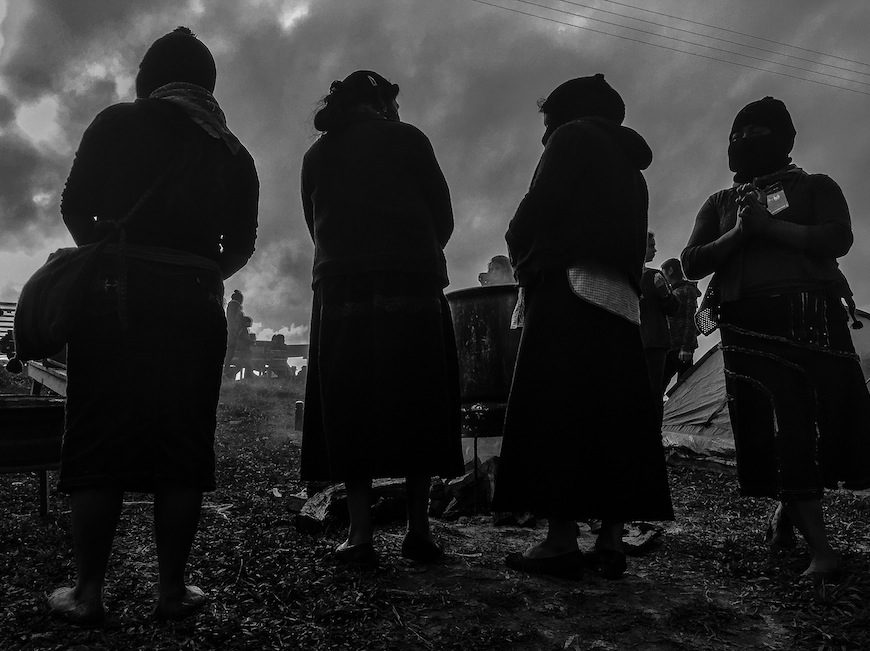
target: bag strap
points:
(176, 165)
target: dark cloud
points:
(7, 111)
(470, 76)
(28, 192)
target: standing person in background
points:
(797, 399)
(580, 440)
(684, 332)
(235, 328)
(657, 302)
(130, 424)
(382, 395)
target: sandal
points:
(421, 549)
(565, 566)
(64, 605)
(362, 555)
(192, 601)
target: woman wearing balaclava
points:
(799, 407)
(382, 395)
(580, 437)
(144, 382)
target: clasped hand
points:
(752, 215)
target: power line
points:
(734, 31)
(673, 49)
(688, 42)
(717, 38)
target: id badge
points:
(776, 199)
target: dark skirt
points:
(800, 410)
(141, 402)
(580, 438)
(382, 395)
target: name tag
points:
(776, 199)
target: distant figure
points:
(144, 382)
(498, 272)
(797, 399)
(684, 333)
(235, 328)
(657, 303)
(579, 437)
(382, 396)
(244, 346)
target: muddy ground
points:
(709, 583)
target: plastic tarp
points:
(696, 412)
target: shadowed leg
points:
(808, 518)
(176, 519)
(359, 510)
(95, 513)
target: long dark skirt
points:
(799, 407)
(382, 396)
(141, 402)
(580, 438)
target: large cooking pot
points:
(487, 346)
(31, 430)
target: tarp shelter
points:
(696, 412)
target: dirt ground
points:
(710, 583)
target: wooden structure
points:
(7, 318)
(265, 359)
(31, 427)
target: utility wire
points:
(688, 42)
(667, 47)
(717, 38)
(734, 31)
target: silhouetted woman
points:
(382, 396)
(145, 366)
(580, 437)
(798, 404)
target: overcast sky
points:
(470, 76)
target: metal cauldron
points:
(487, 352)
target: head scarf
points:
(359, 87)
(177, 56)
(201, 107)
(759, 155)
(582, 97)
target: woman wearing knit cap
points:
(142, 393)
(580, 437)
(799, 407)
(382, 395)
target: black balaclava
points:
(757, 156)
(582, 97)
(177, 56)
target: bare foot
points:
(64, 604)
(182, 605)
(823, 564)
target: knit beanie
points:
(585, 97)
(177, 56)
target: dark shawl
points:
(588, 202)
